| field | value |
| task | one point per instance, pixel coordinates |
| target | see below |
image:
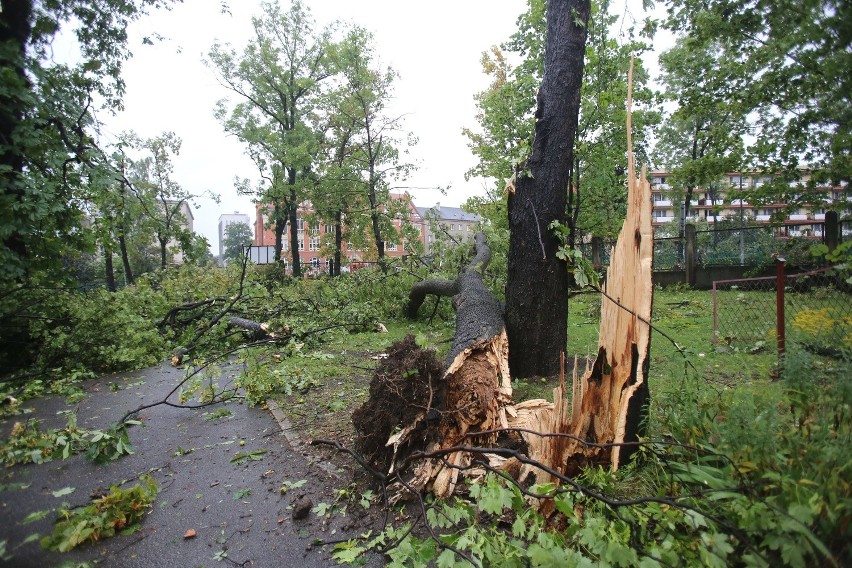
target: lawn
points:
(322, 387)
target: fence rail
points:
(734, 245)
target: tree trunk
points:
(377, 230)
(280, 219)
(109, 270)
(537, 286)
(477, 379)
(293, 216)
(163, 253)
(338, 241)
(609, 402)
(125, 258)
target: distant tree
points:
(237, 237)
(160, 198)
(363, 146)
(703, 137)
(198, 251)
(787, 64)
(276, 79)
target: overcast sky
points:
(435, 46)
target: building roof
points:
(447, 213)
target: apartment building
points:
(725, 202)
(184, 220)
(230, 219)
(453, 222)
(313, 237)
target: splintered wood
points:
(478, 390)
(607, 402)
(610, 398)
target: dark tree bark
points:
(164, 242)
(338, 242)
(280, 224)
(293, 216)
(435, 286)
(537, 286)
(125, 258)
(441, 287)
(15, 32)
(109, 270)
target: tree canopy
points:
(48, 156)
(237, 237)
(782, 67)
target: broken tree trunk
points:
(477, 383)
(610, 399)
(441, 287)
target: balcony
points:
(739, 203)
(819, 216)
(797, 218)
(663, 203)
(762, 217)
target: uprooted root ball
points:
(406, 384)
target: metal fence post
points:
(715, 315)
(779, 298)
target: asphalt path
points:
(236, 509)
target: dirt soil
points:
(407, 383)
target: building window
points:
(328, 229)
(315, 262)
(315, 230)
(300, 224)
(392, 247)
(301, 244)
(658, 213)
(314, 243)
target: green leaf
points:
(254, 455)
(63, 492)
(36, 516)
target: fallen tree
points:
(600, 423)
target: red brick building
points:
(313, 253)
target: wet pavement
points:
(237, 509)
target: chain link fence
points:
(733, 245)
(811, 308)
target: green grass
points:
(335, 376)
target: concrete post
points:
(832, 230)
(689, 254)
